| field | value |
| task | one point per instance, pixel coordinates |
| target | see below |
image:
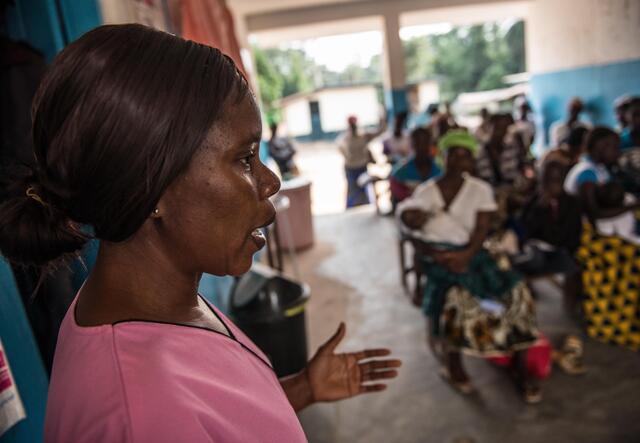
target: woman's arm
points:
(458, 261)
(589, 201)
(382, 126)
(298, 390)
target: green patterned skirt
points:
(486, 311)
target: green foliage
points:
(467, 58)
(270, 83)
(284, 72)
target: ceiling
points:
(260, 6)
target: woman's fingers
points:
(372, 388)
(335, 340)
(376, 365)
(370, 353)
(379, 375)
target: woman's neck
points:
(453, 178)
(130, 282)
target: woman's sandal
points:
(531, 393)
(464, 387)
(570, 358)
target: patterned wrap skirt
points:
(487, 311)
(611, 286)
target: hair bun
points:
(32, 231)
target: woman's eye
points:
(246, 162)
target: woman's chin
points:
(241, 268)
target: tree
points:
(467, 58)
(514, 40)
(270, 82)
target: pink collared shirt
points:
(140, 381)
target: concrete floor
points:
(353, 273)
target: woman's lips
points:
(258, 238)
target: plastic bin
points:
(270, 309)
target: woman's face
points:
(209, 216)
(460, 160)
(608, 149)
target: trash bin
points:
(270, 309)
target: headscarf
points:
(458, 138)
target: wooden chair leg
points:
(403, 265)
(279, 258)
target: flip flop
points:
(570, 358)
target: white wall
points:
(336, 105)
(296, 117)
(428, 92)
(117, 11)
(565, 34)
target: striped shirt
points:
(507, 169)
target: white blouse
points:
(456, 224)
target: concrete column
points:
(584, 48)
(393, 69)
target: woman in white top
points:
(473, 306)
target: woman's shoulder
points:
(478, 185)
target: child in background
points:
(612, 195)
(406, 176)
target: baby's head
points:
(610, 195)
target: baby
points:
(612, 195)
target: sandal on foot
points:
(464, 387)
(531, 394)
(570, 358)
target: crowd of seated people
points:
(572, 212)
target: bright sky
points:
(339, 51)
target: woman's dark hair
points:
(576, 137)
(596, 134)
(399, 122)
(116, 120)
(421, 139)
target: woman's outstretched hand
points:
(334, 376)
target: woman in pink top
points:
(152, 141)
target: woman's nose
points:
(269, 183)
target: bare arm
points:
(480, 232)
(458, 261)
(588, 198)
(297, 389)
(382, 126)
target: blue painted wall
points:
(37, 22)
(50, 28)
(79, 17)
(395, 101)
(24, 359)
(598, 86)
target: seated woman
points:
(551, 225)
(473, 306)
(611, 265)
(406, 176)
(503, 163)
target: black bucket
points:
(270, 310)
